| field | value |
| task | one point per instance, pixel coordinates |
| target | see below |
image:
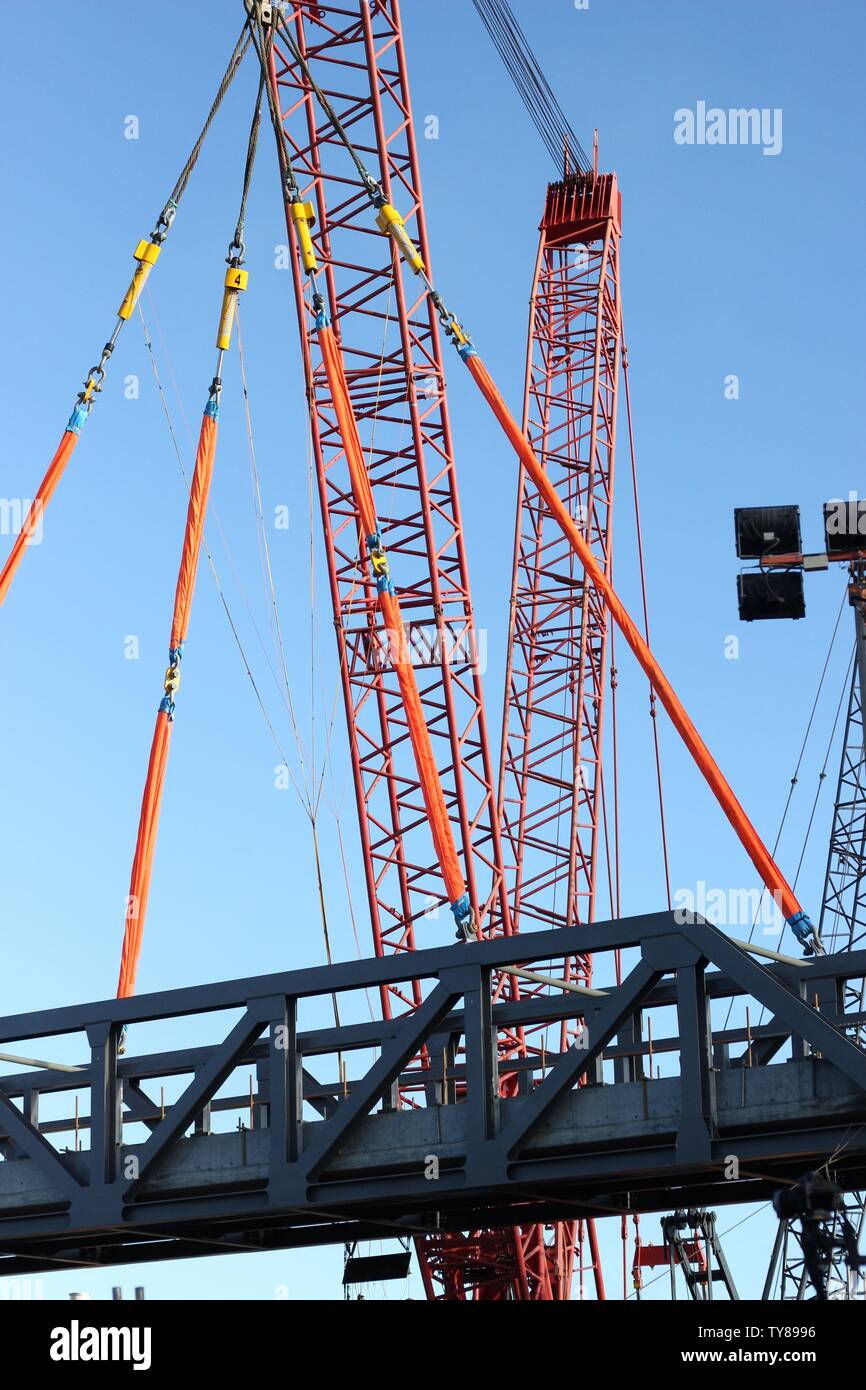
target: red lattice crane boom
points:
(568, 469)
(555, 692)
(390, 343)
(551, 772)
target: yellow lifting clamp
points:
(236, 280)
(304, 218)
(89, 388)
(147, 254)
(391, 224)
(457, 333)
(380, 563)
(172, 680)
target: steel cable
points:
(535, 91)
(240, 49)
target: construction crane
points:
(346, 140)
(551, 788)
(549, 794)
(439, 832)
(816, 1253)
(391, 343)
(391, 348)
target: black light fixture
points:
(766, 531)
(845, 525)
(771, 594)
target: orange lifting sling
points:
(33, 518)
(397, 645)
(142, 864)
(234, 283)
(391, 225)
(751, 841)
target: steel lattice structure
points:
(390, 341)
(843, 910)
(551, 782)
(788, 1263)
(389, 338)
(316, 1161)
(529, 844)
(551, 778)
(842, 928)
(551, 775)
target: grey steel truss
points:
(842, 928)
(280, 1132)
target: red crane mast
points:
(390, 342)
(555, 682)
(551, 786)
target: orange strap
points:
(142, 864)
(389, 607)
(749, 838)
(348, 426)
(419, 735)
(195, 518)
(40, 502)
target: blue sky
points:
(733, 263)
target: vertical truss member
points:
(552, 793)
(146, 255)
(556, 669)
(843, 928)
(843, 911)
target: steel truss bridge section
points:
(281, 1133)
